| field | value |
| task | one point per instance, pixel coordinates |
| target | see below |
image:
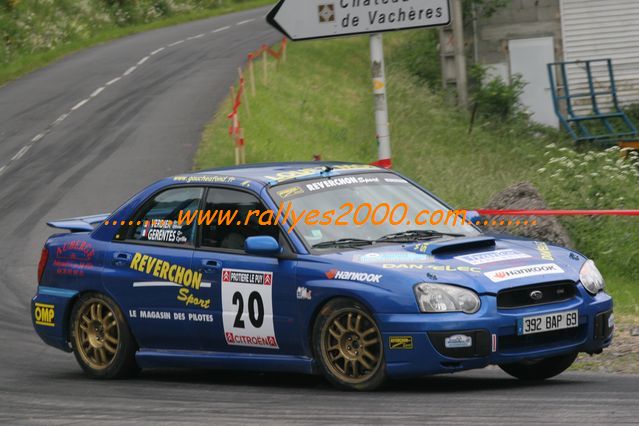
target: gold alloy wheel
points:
(352, 345)
(97, 334)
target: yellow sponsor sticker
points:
(44, 314)
(289, 192)
(400, 342)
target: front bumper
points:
(494, 336)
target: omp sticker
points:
(247, 305)
(44, 314)
(400, 342)
(523, 272)
(544, 250)
(492, 256)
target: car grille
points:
(546, 293)
(515, 343)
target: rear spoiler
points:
(79, 224)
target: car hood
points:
(485, 264)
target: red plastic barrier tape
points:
(386, 163)
(489, 212)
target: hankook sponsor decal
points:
(523, 272)
(492, 256)
(335, 274)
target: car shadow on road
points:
(461, 382)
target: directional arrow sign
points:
(309, 19)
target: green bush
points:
(495, 97)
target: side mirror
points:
(262, 246)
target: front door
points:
(253, 296)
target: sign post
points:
(381, 104)
(313, 19)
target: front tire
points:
(101, 340)
(540, 369)
(348, 346)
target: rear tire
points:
(101, 340)
(348, 346)
(540, 369)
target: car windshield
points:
(365, 208)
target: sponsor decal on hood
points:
(523, 272)
(492, 256)
(393, 257)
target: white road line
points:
(97, 91)
(245, 22)
(79, 104)
(37, 137)
(60, 119)
(2, 169)
(21, 153)
(129, 71)
(176, 43)
(156, 51)
(115, 80)
(220, 29)
(143, 60)
(196, 36)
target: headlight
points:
(446, 298)
(591, 278)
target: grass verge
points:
(320, 102)
(26, 62)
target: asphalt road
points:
(79, 137)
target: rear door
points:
(149, 272)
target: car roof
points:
(277, 173)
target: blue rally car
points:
(359, 303)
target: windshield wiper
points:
(343, 242)
(415, 235)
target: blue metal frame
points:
(576, 125)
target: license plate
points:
(548, 322)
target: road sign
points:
(311, 19)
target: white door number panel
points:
(549, 322)
(247, 305)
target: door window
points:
(157, 220)
(234, 217)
